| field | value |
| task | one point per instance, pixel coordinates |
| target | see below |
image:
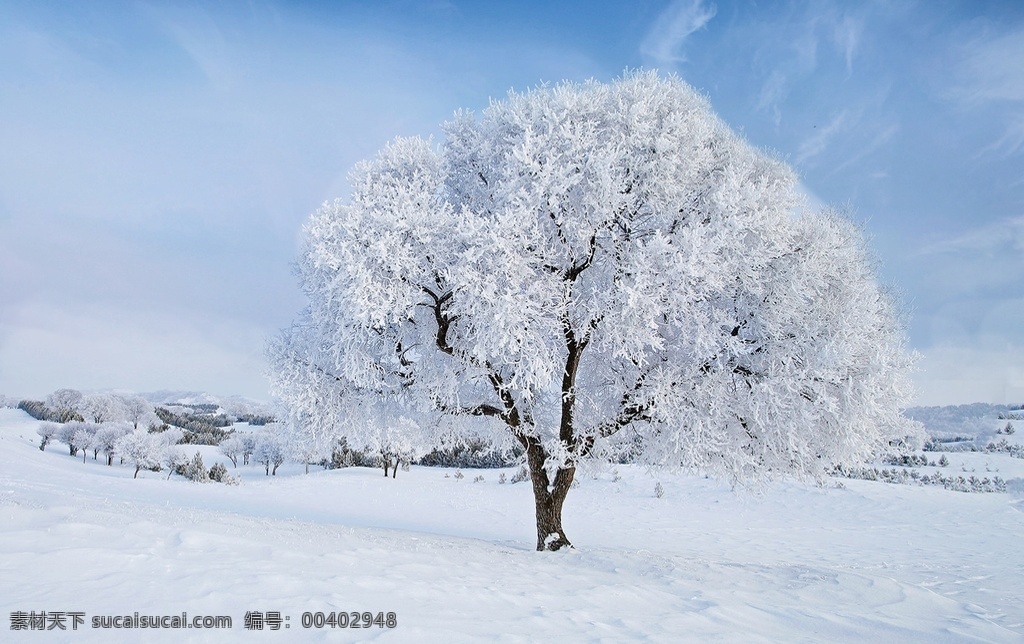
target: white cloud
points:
(664, 43)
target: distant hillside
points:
(976, 420)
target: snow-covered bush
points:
(219, 473)
(522, 474)
(195, 470)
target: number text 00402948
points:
(342, 619)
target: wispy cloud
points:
(846, 34)
(990, 76)
(877, 142)
(991, 69)
(664, 43)
(806, 44)
(818, 142)
(1006, 236)
(199, 36)
(1012, 140)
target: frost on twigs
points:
(595, 272)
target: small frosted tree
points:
(47, 431)
(248, 446)
(66, 403)
(103, 408)
(598, 269)
(269, 451)
(232, 447)
(139, 448)
(82, 438)
(107, 436)
(303, 446)
(65, 434)
(174, 459)
(136, 410)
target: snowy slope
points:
(454, 559)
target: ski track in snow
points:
(454, 559)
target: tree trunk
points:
(548, 500)
(137, 468)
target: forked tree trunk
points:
(548, 500)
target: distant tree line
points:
(37, 409)
(200, 429)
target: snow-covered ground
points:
(454, 559)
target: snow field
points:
(454, 559)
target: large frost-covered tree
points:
(599, 270)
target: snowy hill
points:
(454, 559)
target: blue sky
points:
(158, 159)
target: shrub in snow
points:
(479, 479)
(502, 478)
(195, 470)
(659, 491)
(595, 270)
(943, 462)
(474, 453)
(459, 474)
(1009, 428)
(219, 473)
(522, 474)
(913, 477)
